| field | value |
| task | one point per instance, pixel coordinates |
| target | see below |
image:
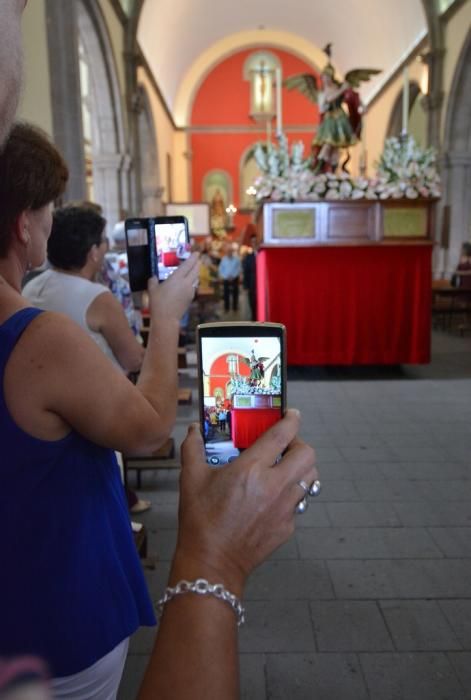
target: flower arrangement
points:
(404, 170)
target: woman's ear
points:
(22, 228)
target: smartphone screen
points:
(242, 385)
(138, 248)
(172, 242)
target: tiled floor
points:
(372, 596)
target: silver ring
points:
(304, 486)
(315, 488)
(302, 506)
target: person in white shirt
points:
(229, 272)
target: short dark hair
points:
(32, 174)
(74, 231)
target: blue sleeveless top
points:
(71, 583)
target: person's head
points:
(32, 175)
(253, 242)
(11, 62)
(77, 239)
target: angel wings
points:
(306, 83)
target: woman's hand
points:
(171, 298)
(234, 517)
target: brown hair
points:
(32, 174)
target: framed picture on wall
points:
(197, 214)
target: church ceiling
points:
(173, 34)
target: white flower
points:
(345, 189)
(320, 188)
(358, 194)
(370, 193)
(411, 193)
(360, 183)
(332, 194)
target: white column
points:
(279, 120)
(405, 102)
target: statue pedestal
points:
(353, 286)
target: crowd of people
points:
(73, 589)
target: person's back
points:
(71, 295)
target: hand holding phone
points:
(242, 385)
(232, 519)
(155, 247)
(172, 299)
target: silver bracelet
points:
(202, 587)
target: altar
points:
(353, 286)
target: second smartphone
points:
(155, 247)
(242, 385)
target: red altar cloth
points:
(247, 424)
(349, 305)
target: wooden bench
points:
(140, 540)
(163, 458)
(185, 397)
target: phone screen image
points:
(241, 385)
(138, 253)
(171, 240)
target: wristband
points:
(202, 587)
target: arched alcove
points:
(395, 119)
(457, 159)
(108, 165)
(151, 188)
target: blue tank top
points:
(71, 583)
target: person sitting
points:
(76, 249)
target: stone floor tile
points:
(362, 514)
(418, 625)
(461, 662)
(279, 626)
(426, 513)
(458, 614)
(132, 676)
(142, 641)
(367, 454)
(411, 676)
(290, 580)
(315, 516)
(161, 543)
(349, 626)
(400, 578)
(453, 542)
(445, 490)
(368, 543)
(407, 453)
(388, 490)
(314, 677)
(252, 676)
(338, 490)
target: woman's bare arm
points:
(57, 377)
(230, 520)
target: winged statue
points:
(257, 368)
(340, 110)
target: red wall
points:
(223, 100)
(219, 367)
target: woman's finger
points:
(273, 442)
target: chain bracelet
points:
(202, 587)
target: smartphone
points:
(172, 239)
(242, 385)
(141, 251)
(155, 247)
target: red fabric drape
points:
(348, 305)
(247, 424)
